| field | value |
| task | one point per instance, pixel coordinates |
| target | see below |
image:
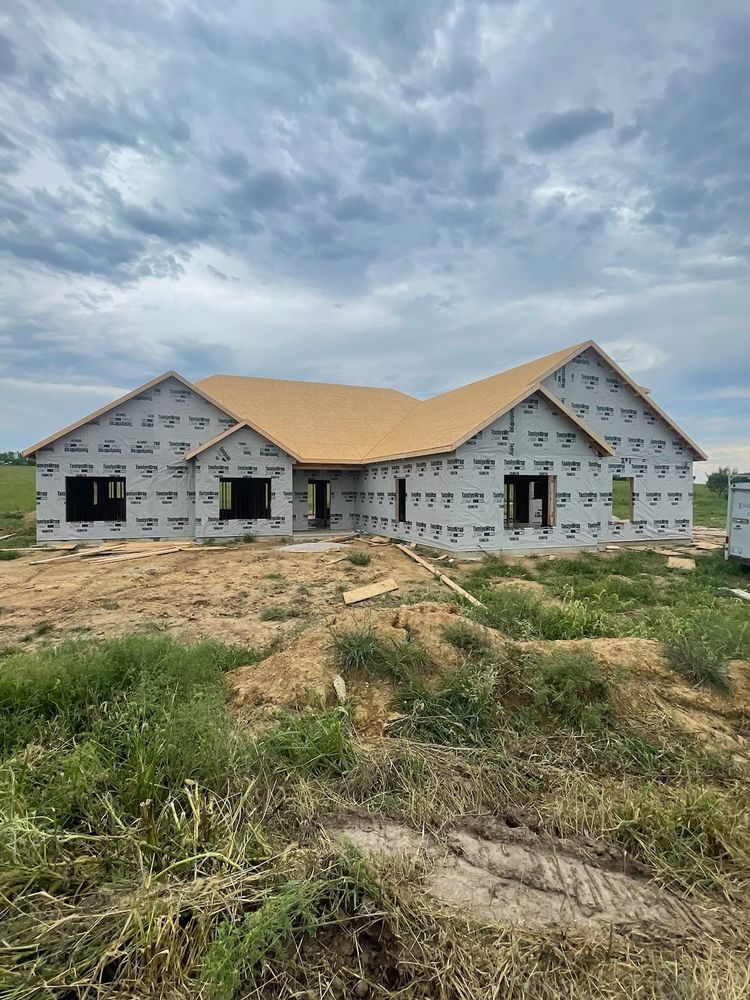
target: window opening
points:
(244, 499)
(530, 501)
(622, 498)
(94, 498)
(401, 500)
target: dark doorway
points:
(530, 501)
(94, 498)
(400, 500)
(319, 503)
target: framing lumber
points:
(441, 576)
(139, 555)
(372, 590)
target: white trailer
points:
(738, 522)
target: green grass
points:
(148, 843)
(280, 614)
(709, 509)
(17, 488)
(359, 558)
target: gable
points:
(604, 397)
(166, 401)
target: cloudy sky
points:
(412, 193)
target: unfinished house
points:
(563, 452)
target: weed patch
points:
(359, 558)
(280, 614)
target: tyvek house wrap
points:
(144, 440)
(241, 455)
(344, 489)
(646, 449)
(456, 500)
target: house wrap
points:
(565, 451)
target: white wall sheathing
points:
(144, 441)
(454, 500)
(646, 448)
(344, 489)
(244, 454)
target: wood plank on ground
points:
(139, 555)
(11, 535)
(371, 590)
(441, 576)
(739, 592)
(679, 562)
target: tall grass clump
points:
(569, 686)
(359, 558)
(698, 659)
(521, 615)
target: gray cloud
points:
(553, 131)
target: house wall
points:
(645, 446)
(455, 500)
(244, 454)
(144, 440)
(344, 487)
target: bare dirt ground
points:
(509, 874)
(204, 592)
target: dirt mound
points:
(301, 675)
(512, 876)
(651, 694)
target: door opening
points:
(319, 503)
(401, 500)
(530, 501)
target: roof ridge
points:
(305, 381)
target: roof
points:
(446, 421)
(322, 423)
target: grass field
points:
(709, 509)
(17, 497)
(17, 488)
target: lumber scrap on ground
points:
(372, 590)
(83, 553)
(739, 592)
(332, 562)
(441, 576)
(11, 535)
(140, 555)
(680, 562)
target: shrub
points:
(359, 558)
(570, 687)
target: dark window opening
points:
(94, 498)
(530, 501)
(622, 498)
(319, 503)
(244, 499)
(401, 500)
